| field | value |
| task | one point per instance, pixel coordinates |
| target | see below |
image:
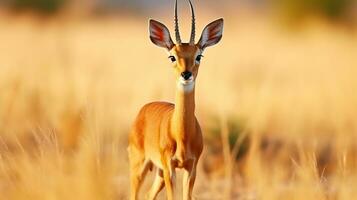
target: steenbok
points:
(165, 135)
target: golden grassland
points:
(277, 106)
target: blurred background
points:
(276, 98)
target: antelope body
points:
(165, 135)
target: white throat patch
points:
(186, 85)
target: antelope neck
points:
(183, 120)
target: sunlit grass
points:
(71, 89)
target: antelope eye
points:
(198, 58)
(172, 58)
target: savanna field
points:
(277, 105)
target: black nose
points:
(186, 75)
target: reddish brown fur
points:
(158, 116)
(167, 135)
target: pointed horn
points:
(193, 27)
(177, 32)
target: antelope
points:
(165, 135)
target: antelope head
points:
(185, 57)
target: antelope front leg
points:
(189, 177)
(169, 178)
(157, 186)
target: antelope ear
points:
(160, 35)
(212, 34)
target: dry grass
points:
(70, 89)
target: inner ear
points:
(211, 34)
(160, 35)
